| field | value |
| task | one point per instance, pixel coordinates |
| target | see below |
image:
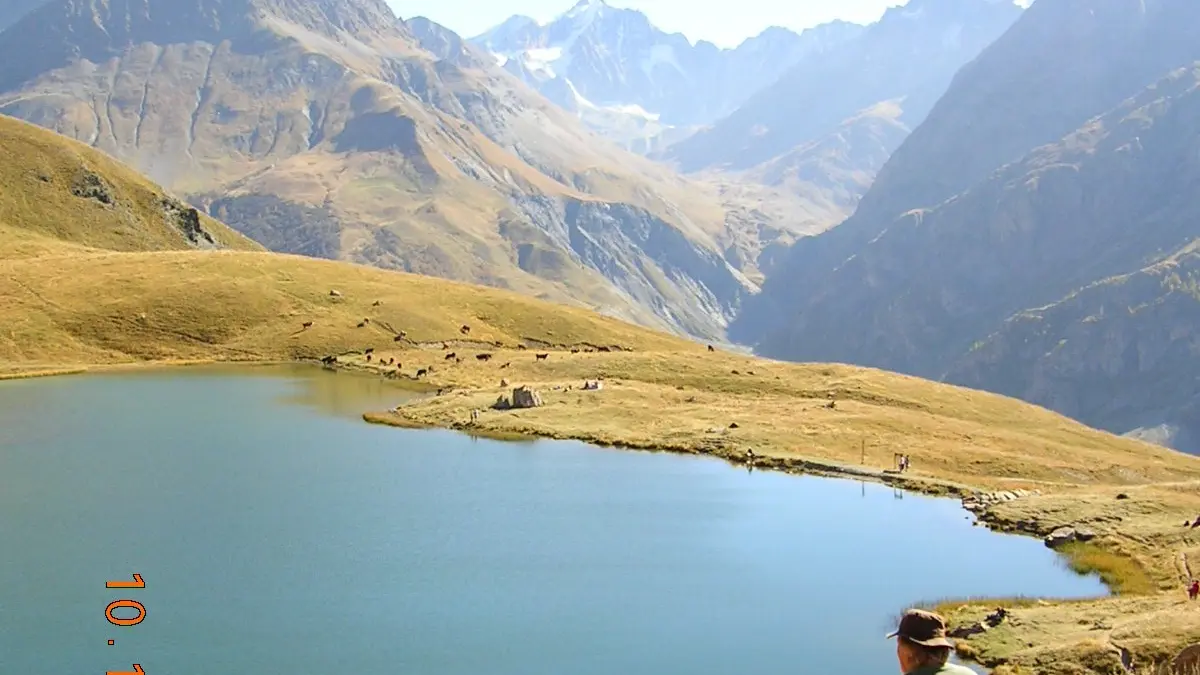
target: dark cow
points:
(369, 351)
(505, 365)
(465, 329)
(522, 347)
(367, 320)
(541, 357)
(376, 303)
(483, 357)
(398, 338)
(421, 372)
(368, 358)
(361, 324)
(451, 355)
(574, 351)
(306, 325)
(712, 348)
(604, 349)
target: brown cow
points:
(483, 357)
(522, 347)
(421, 372)
(711, 348)
(541, 357)
(574, 351)
(465, 329)
(376, 303)
(361, 324)
(398, 338)
(451, 355)
(306, 325)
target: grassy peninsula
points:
(99, 267)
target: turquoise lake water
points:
(278, 533)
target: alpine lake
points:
(276, 532)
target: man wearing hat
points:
(922, 646)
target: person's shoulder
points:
(955, 669)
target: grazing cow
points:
(306, 325)
(376, 303)
(451, 355)
(522, 347)
(361, 324)
(505, 365)
(541, 357)
(574, 351)
(398, 338)
(465, 330)
(328, 360)
(369, 350)
(421, 372)
(711, 348)
(483, 357)
(335, 294)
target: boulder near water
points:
(525, 397)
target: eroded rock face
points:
(89, 185)
(187, 220)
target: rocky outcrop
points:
(525, 397)
(522, 397)
(187, 220)
(1067, 535)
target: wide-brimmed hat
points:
(923, 628)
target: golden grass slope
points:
(38, 170)
(69, 303)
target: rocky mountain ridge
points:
(974, 220)
(909, 57)
(637, 84)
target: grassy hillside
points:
(78, 292)
(72, 194)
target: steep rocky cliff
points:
(1061, 63)
(945, 248)
(1120, 354)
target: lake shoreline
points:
(1062, 504)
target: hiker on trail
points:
(1194, 589)
(922, 647)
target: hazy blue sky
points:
(724, 22)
